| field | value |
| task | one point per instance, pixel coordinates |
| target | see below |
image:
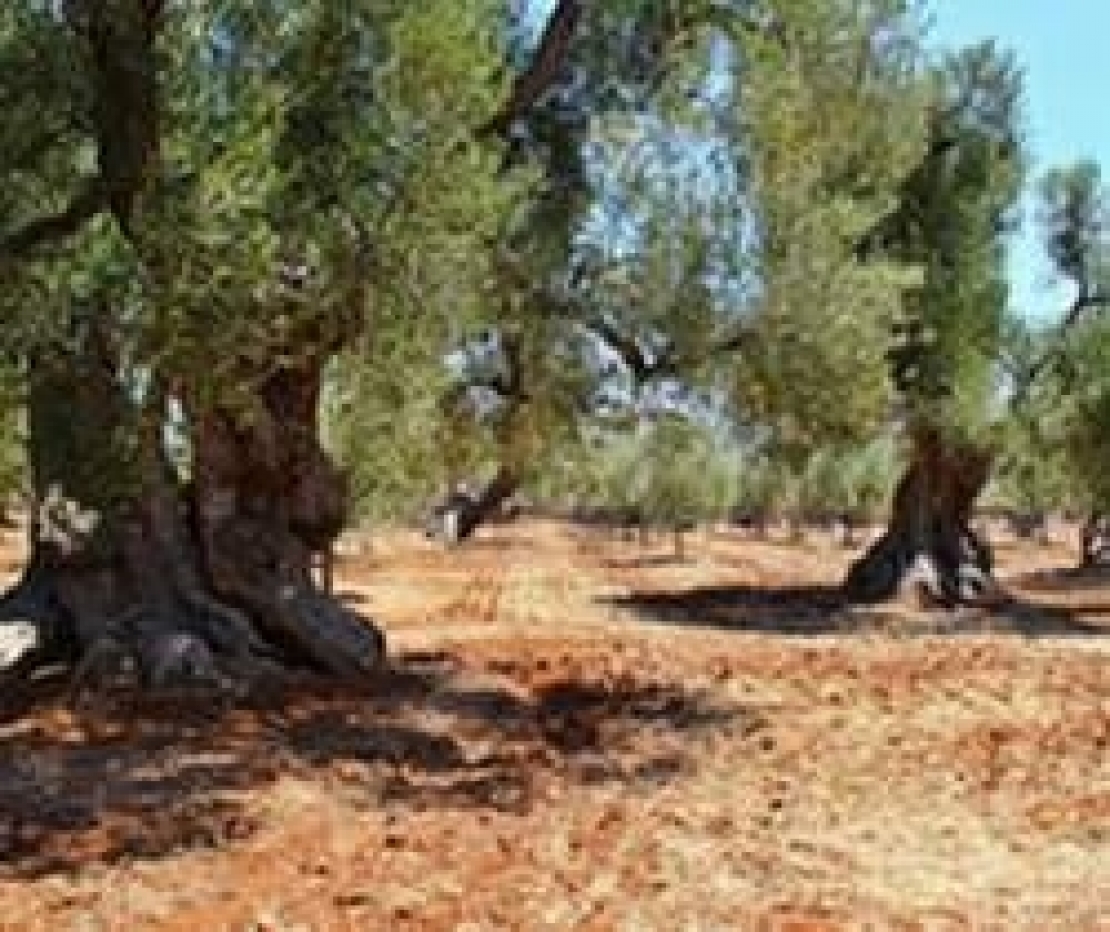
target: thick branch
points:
(124, 75)
(54, 227)
(544, 69)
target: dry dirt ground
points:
(582, 734)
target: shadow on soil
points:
(809, 611)
(647, 561)
(1069, 579)
(135, 779)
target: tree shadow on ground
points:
(810, 611)
(1066, 579)
(791, 610)
(647, 561)
(145, 778)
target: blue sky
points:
(1063, 47)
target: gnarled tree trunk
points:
(265, 498)
(455, 519)
(929, 535)
(211, 581)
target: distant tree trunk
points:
(208, 583)
(751, 521)
(455, 519)
(842, 529)
(930, 528)
(1095, 541)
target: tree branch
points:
(532, 83)
(626, 347)
(120, 40)
(125, 118)
(668, 362)
(54, 227)
(1085, 300)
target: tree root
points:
(186, 639)
(949, 571)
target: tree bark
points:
(1095, 541)
(265, 498)
(543, 71)
(929, 537)
(133, 572)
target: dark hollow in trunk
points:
(929, 538)
(461, 513)
(132, 571)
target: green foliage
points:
(337, 139)
(953, 213)
(855, 480)
(388, 437)
(820, 230)
(834, 123)
(1082, 414)
(1060, 414)
(1074, 218)
(670, 470)
(679, 463)
(352, 158)
(320, 185)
